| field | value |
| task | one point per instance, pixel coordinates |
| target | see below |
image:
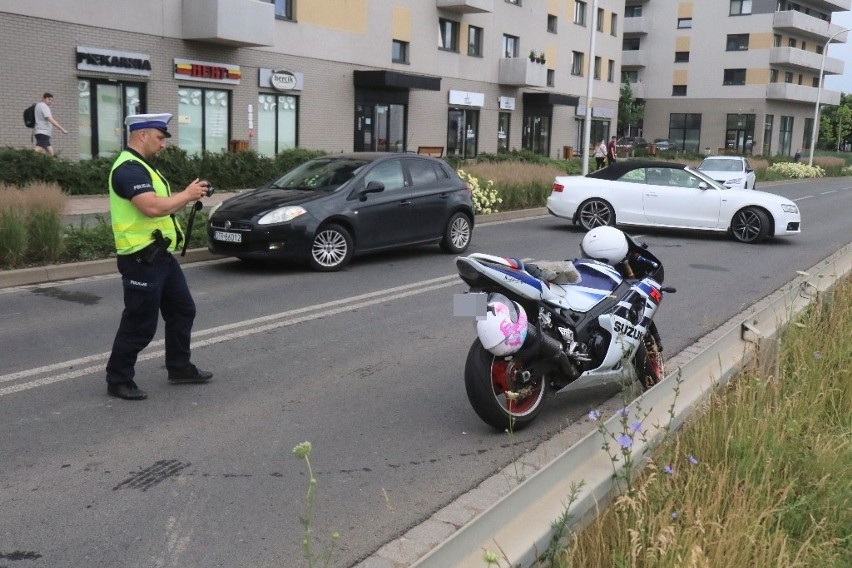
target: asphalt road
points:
(366, 364)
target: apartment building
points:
(731, 75)
(467, 76)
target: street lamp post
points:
(587, 131)
(819, 93)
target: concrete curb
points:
(70, 271)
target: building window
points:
(462, 132)
(597, 74)
(379, 125)
(515, 2)
(809, 130)
(283, 9)
(511, 46)
(536, 133)
(399, 52)
(633, 11)
(684, 23)
(734, 77)
(600, 23)
(630, 44)
(737, 42)
(740, 7)
(819, 49)
(610, 71)
(804, 46)
(767, 135)
(815, 82)
(678, 90)
(681, 56)
(551, 78)
(101, 109)
(685, 130)
(277, 120)
(580, 12)
(739, 133)
(449, 35)
(504, 120)
(788, 76)
(776, 40)
(551, 23)
(785, 135)
(474, 41)
(791, 42)
(613, 25)
(773, 75)
(577, 63)
(204, 119)
(631, 76)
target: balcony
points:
(635, 26)
(638, 90)
(804, 60)
(238, 23)
(800, 94)
(800, 24)
(634, 58)
(521, 72)
(466, 6)
(831, 5)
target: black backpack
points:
(29, 116)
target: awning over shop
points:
(544, 99)
(395, 80)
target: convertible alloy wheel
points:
(596, 213)
(750, 225)
(331, 249)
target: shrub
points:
(485, 197)
(520, 185)
(787, 170)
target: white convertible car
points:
(666, 194)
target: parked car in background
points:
(665, 145)
(332, 208)
(731, 171)
(627, 144)
(666, 194)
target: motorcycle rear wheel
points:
(489, 379)
(650, 369)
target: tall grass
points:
(13, 226)
(763, 478)
(520, 185)
(30, 223)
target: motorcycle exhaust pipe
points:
(552, 349)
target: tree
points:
(630, 111)
(835, 124)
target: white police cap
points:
(158, 121)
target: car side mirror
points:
(749, 170)
(703, 185)
(372, 187)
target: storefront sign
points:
(109, 61)
(281, 80)
(597, 112)
(186, 69)
(467, 98)
(506, 103)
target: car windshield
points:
(322, 173)
(721, 165)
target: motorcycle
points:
(535, 336)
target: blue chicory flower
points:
(635, 426)
(623, 411)
(625, 441)
(594, 415)
(668, 470)
(693, 460)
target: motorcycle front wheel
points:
(498, 391)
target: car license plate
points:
(227, 237)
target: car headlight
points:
(281, 215)
(789, 208)
(215, 208)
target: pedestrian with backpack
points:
(44, 123)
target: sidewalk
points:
(79, 205)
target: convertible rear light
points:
(557, 187)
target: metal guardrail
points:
(519, 525)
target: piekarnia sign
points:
(109, 61)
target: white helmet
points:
(504, 328)
(606, 244)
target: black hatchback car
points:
(331, 208)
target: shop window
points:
(536, 132)
(685, 130)
(462, 133)
(380, 127)
(101, 110)
(277, 123)
(767, 135)
(504, 120)
(203, 119)
(739, 133)
(785, 135)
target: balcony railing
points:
(634, 58)
(804, 60)
(636, 26)
(522, 72)
(800, 94)
(797, 23)
(466, 6)
(240, 23)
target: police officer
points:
(142, 209)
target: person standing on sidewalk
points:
(142, 209)
(611, 152)
(45, 122)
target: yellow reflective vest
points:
(130, 227)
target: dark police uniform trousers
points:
(151, 289)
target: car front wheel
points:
(457, 234)
(595, 213)
(750, 225)
(332, 249)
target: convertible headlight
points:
(789, 208)
(281, 215)
(215, 208)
